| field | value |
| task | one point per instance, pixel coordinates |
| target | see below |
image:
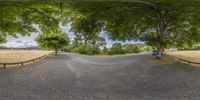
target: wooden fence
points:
(23, 62)
(189, 62)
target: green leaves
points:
(162, 23)
(158, 22)
(117, 49)
(19, 17)
(54, 40)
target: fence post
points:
(22, 64)
(189, 62)
(4, 65)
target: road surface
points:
(78, 77)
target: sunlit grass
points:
(10, 56)
(187, 55)
(163, 60)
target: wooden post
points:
(4, 65)
(189, 62)
(22, 64)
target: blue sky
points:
(29, 41)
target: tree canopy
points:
(55, 40)
(19, 17)
(161, 23)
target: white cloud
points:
(20, 44)
(66, 29)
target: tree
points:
(53, 40)
(116, 49)
(161, 23)
(86, 30)
(18, 17)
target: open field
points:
(11, 56)
(187, 55)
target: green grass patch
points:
(163, 60)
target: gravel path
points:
(78, 77)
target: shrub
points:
(133, 48)
(116, 49)
(87, 49)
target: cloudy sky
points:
(29, 41)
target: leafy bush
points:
(67, 48)
(132, 48)
(116, 49)
(87, 49)
(104, 51)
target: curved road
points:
(78, 77)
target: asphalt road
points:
(78, 77)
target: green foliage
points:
(53, 40)
(132, 48)
(117, 49)
(19, 17)
(137, 48)
(67, 48)
(146, 48)
(186, 47)
(161, 23)
(104, 51)
(87, 49)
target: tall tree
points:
(19, 17)
(161, 23)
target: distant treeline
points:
(12, 48)
(116, 48)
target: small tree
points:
(53, 40)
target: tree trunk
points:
(56, 51)
(159, 51)
(161, 27)
(159, 54)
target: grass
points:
(187, 55)
(163, 60)
(10, 56)
(173, 57)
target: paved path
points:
(77, 77)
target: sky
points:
(29, 41)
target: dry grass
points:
(187, 55)
(10, 56)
